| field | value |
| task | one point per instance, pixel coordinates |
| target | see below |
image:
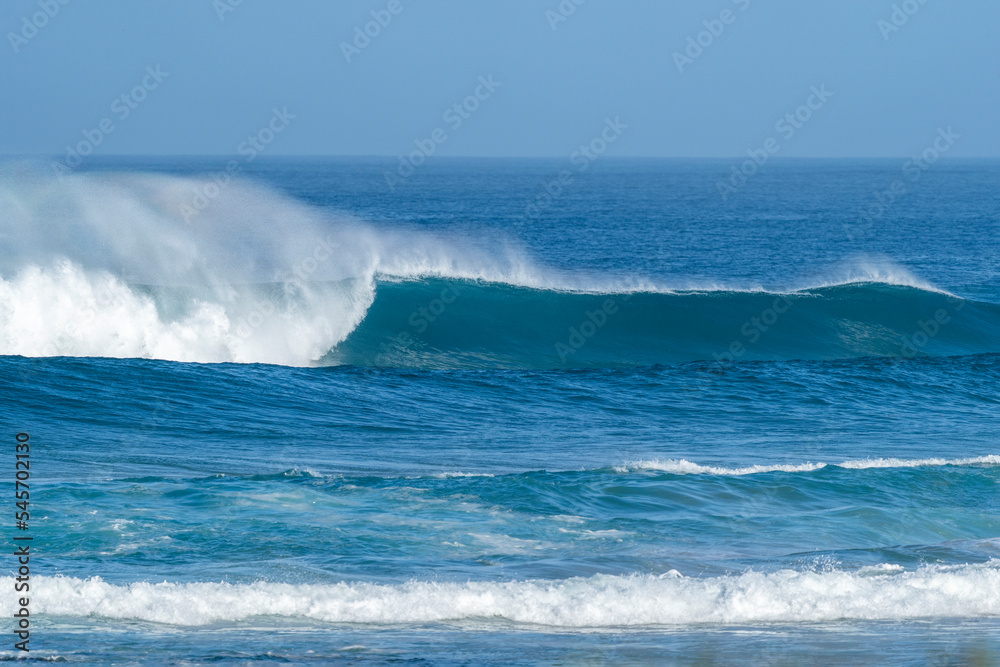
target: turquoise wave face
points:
(463, 324)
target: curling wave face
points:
(447, 324)
(105, 266)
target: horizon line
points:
(380, 156)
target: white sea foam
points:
(685, 467)
(450, 475)
(991, 460)
(64, 310)
(256, 277)
(599, 601)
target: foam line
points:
(787, 596)
(105, 265)
(685, 467)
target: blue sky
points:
(226, 66)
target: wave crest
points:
(685, 467)
(105, 266)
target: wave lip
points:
(606, 601)
(685, 467)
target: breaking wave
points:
(685, 467)
(106, 266)
(874, 593)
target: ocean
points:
(503, 411)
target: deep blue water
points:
(320, 419)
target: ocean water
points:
(300, 416)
